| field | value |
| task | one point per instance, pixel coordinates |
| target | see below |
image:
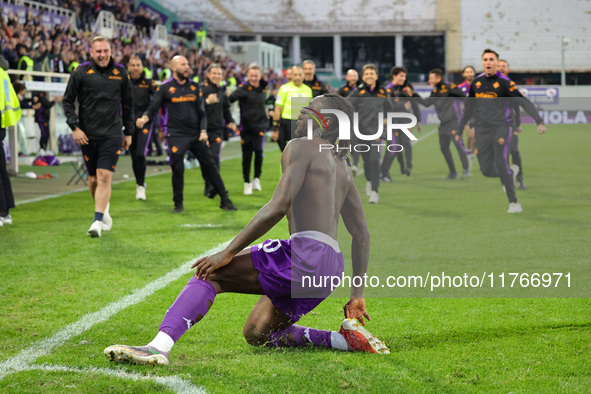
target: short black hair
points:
(488, 50)
(397, 70)
(467, 67)
(437, 71)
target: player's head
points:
(435, 76)
(490, 62)
(135, 66)
(100, 50)
(288, 73)
(297, 75)
(309, 68)
(179, 65)
(214, 73)
(468, 73)
(330, 131)
(504, 67)
(369, 74)
(352, 77)
(254, 75)
(398, 75)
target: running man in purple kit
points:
(315, 188)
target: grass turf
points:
(53, 274)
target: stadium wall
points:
(528, 33)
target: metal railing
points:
(34, 5)
(39, 86)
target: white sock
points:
(338, 342)
(162, 342)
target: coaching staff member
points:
(252, 96)
(186, 129)
(105, 105)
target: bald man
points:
(185, 124)
(352, 83)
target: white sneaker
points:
(367, 188)
(247, 188)
(256, 184)
(107, 219)
(515, 169)
(95, 229)
(374, 198)
(470, 160)
(354, 170)
(515, 207)
(140, 193)
(5, 220)
(1, 222)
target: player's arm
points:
(455, 91)
(45, 102)
(527, 106)
(127, 106)
(153, 107)
(69, 101)
(294, 171)
(202, 116)
(355, 222)
(227, 114)
(237, 94)
(469, 109)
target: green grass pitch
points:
(509, 340)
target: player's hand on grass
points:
(275, 134)
(541, 129)
(206, 265)
(126, 142)
(355, 309)
(457, 137)
(420, 127)
(519, 130)
(79, 137)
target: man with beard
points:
(318, 87)
(186, 129)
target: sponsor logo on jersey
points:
(496, 85)
(486, 95)
(172, 89)
(184, 99)
(478, 84)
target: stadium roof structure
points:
(313, 16)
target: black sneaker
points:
(407, 171)
(210, 192)
(178, 209)
(227, 205)
(521, 185)
(452, 176)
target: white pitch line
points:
(430, 133)
(48, 197)
(44, 346)
(172, 382)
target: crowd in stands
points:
(62, 48)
